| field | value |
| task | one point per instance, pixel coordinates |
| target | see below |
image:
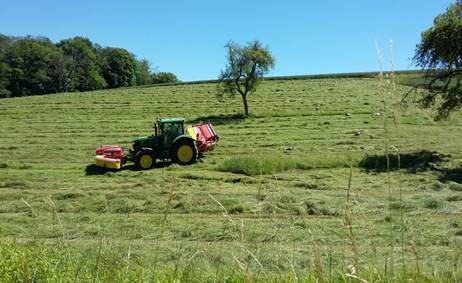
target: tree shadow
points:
(413, 162)
(220, 119)
(92, 169)
(451, 175)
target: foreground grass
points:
(62, 263)
(268, 204)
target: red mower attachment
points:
(205, 136)
(110, 156)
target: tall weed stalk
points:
(387, 90)
(392, 90)
(348, 223)
(389, 262)
(163, 223)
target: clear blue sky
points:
(187, 37)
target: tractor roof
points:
(171, 120)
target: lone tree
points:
(439, 54)
(246, 66)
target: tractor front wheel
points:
(145, 159)
(184, 152)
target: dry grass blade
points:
(32, 210)
(318, 263)
(416, 256)
(226, 215)
(163, 224)
(455, 264)
(357, 278)
(56, 216)
(348, 223)
(244, 270)
(259, 264)
(127, 267)
(383, 92)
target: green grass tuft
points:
(455, 187)
(432, 203)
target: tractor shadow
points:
(413, 162)
(92, 169)
(220, 119)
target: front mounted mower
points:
(170, 141)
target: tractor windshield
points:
(170, 131)
(174, 129)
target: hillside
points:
(285, 213)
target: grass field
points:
(271, 203)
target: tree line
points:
(35, 66)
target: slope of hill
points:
(282, 215)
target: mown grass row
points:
(271, 164)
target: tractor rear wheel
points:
(184, 152)
(145, 159)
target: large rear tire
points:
(145, 159)
(184, 152)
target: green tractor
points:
(170, 141)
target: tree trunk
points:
(246, 106)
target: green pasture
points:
(272, 202)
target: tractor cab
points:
(168, 129)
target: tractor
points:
(170, 141)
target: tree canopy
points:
(35, 66)
(440, 54)
(81, 71)
(5, 43)
(143, 72)
(164, 77)
(32, 65)
(245, 67)
(118, 67)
